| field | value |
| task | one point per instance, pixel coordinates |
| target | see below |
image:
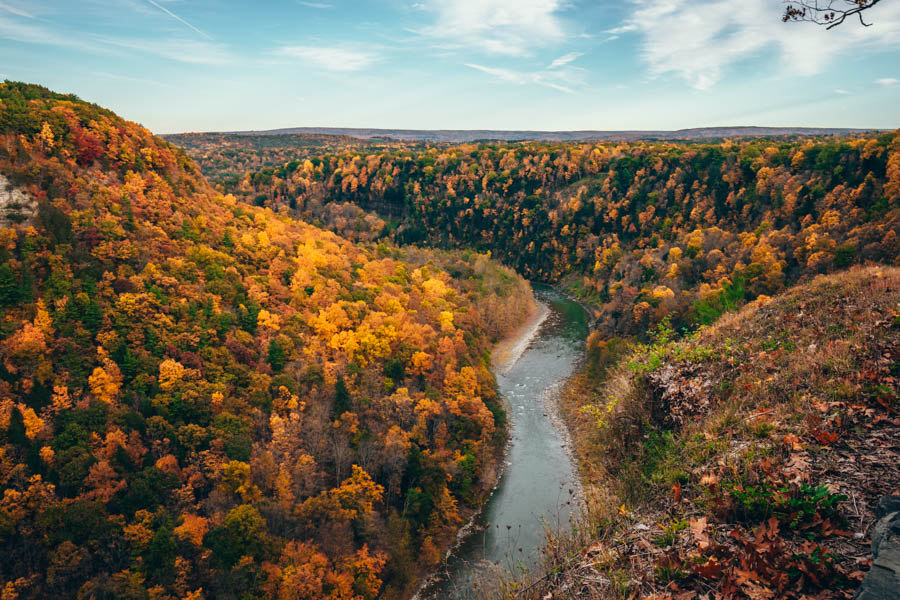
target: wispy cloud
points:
(186, 51)
(180, 50)
(842, 92)
(329, 58)
(502, 27)
(140, 80)
(6, 7)
(179, 19)
(625, 28)
(559, 79)
(28, 33)
(887, 81)
(315, 4)
(564, 60)
(698, 40)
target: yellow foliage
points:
(47, 454)
(662, 292)
(42, 319)
(171, 373)
(33, 423)
(46, 137)
(192, 529)
(268, 320)
(140, 533)
(105, 382)
(446, 320)
(435, 287)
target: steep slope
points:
(745, 461)
(200, 398)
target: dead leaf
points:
(698, 530)
(709, 480)
(794, 441)
(798, 467)
(711, 569)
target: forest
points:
(735, 421)
(204, 398)
(641, 231)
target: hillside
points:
(202, 398)
(744, 461)
(640, 231)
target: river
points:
(538, 488)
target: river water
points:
(538, 488)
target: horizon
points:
(312, 129)
(458, 65)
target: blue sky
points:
(213, 65)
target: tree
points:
(160, 555)
(243, 534)
(830, 13)
(341, 398)
(46, 137)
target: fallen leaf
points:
(794, 441)
(709, 480)
(798, 467)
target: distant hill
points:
(461, 135)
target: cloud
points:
(622, 29)
(28, 33)
(698, 40)
(502, 27)
(329, 58)
(564, 60)
(314, 4)
(186, 51)
(140, 80)
(841, 92)
(179, 19)
(181, 50)
(5, 6)
(558, 79)
(887, 81)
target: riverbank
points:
(535, 492)
(508, 350)
(744, 461)
(503, 356)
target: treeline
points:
(225, 157)
(201, 398)
(642, 231)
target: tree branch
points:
(827, 13)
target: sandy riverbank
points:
(508, 350)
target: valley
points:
(267, 367)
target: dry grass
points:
(800, 390)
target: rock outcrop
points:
(16, 206)
(883, 581)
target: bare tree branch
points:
(830, 13)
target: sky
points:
(222, 65)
